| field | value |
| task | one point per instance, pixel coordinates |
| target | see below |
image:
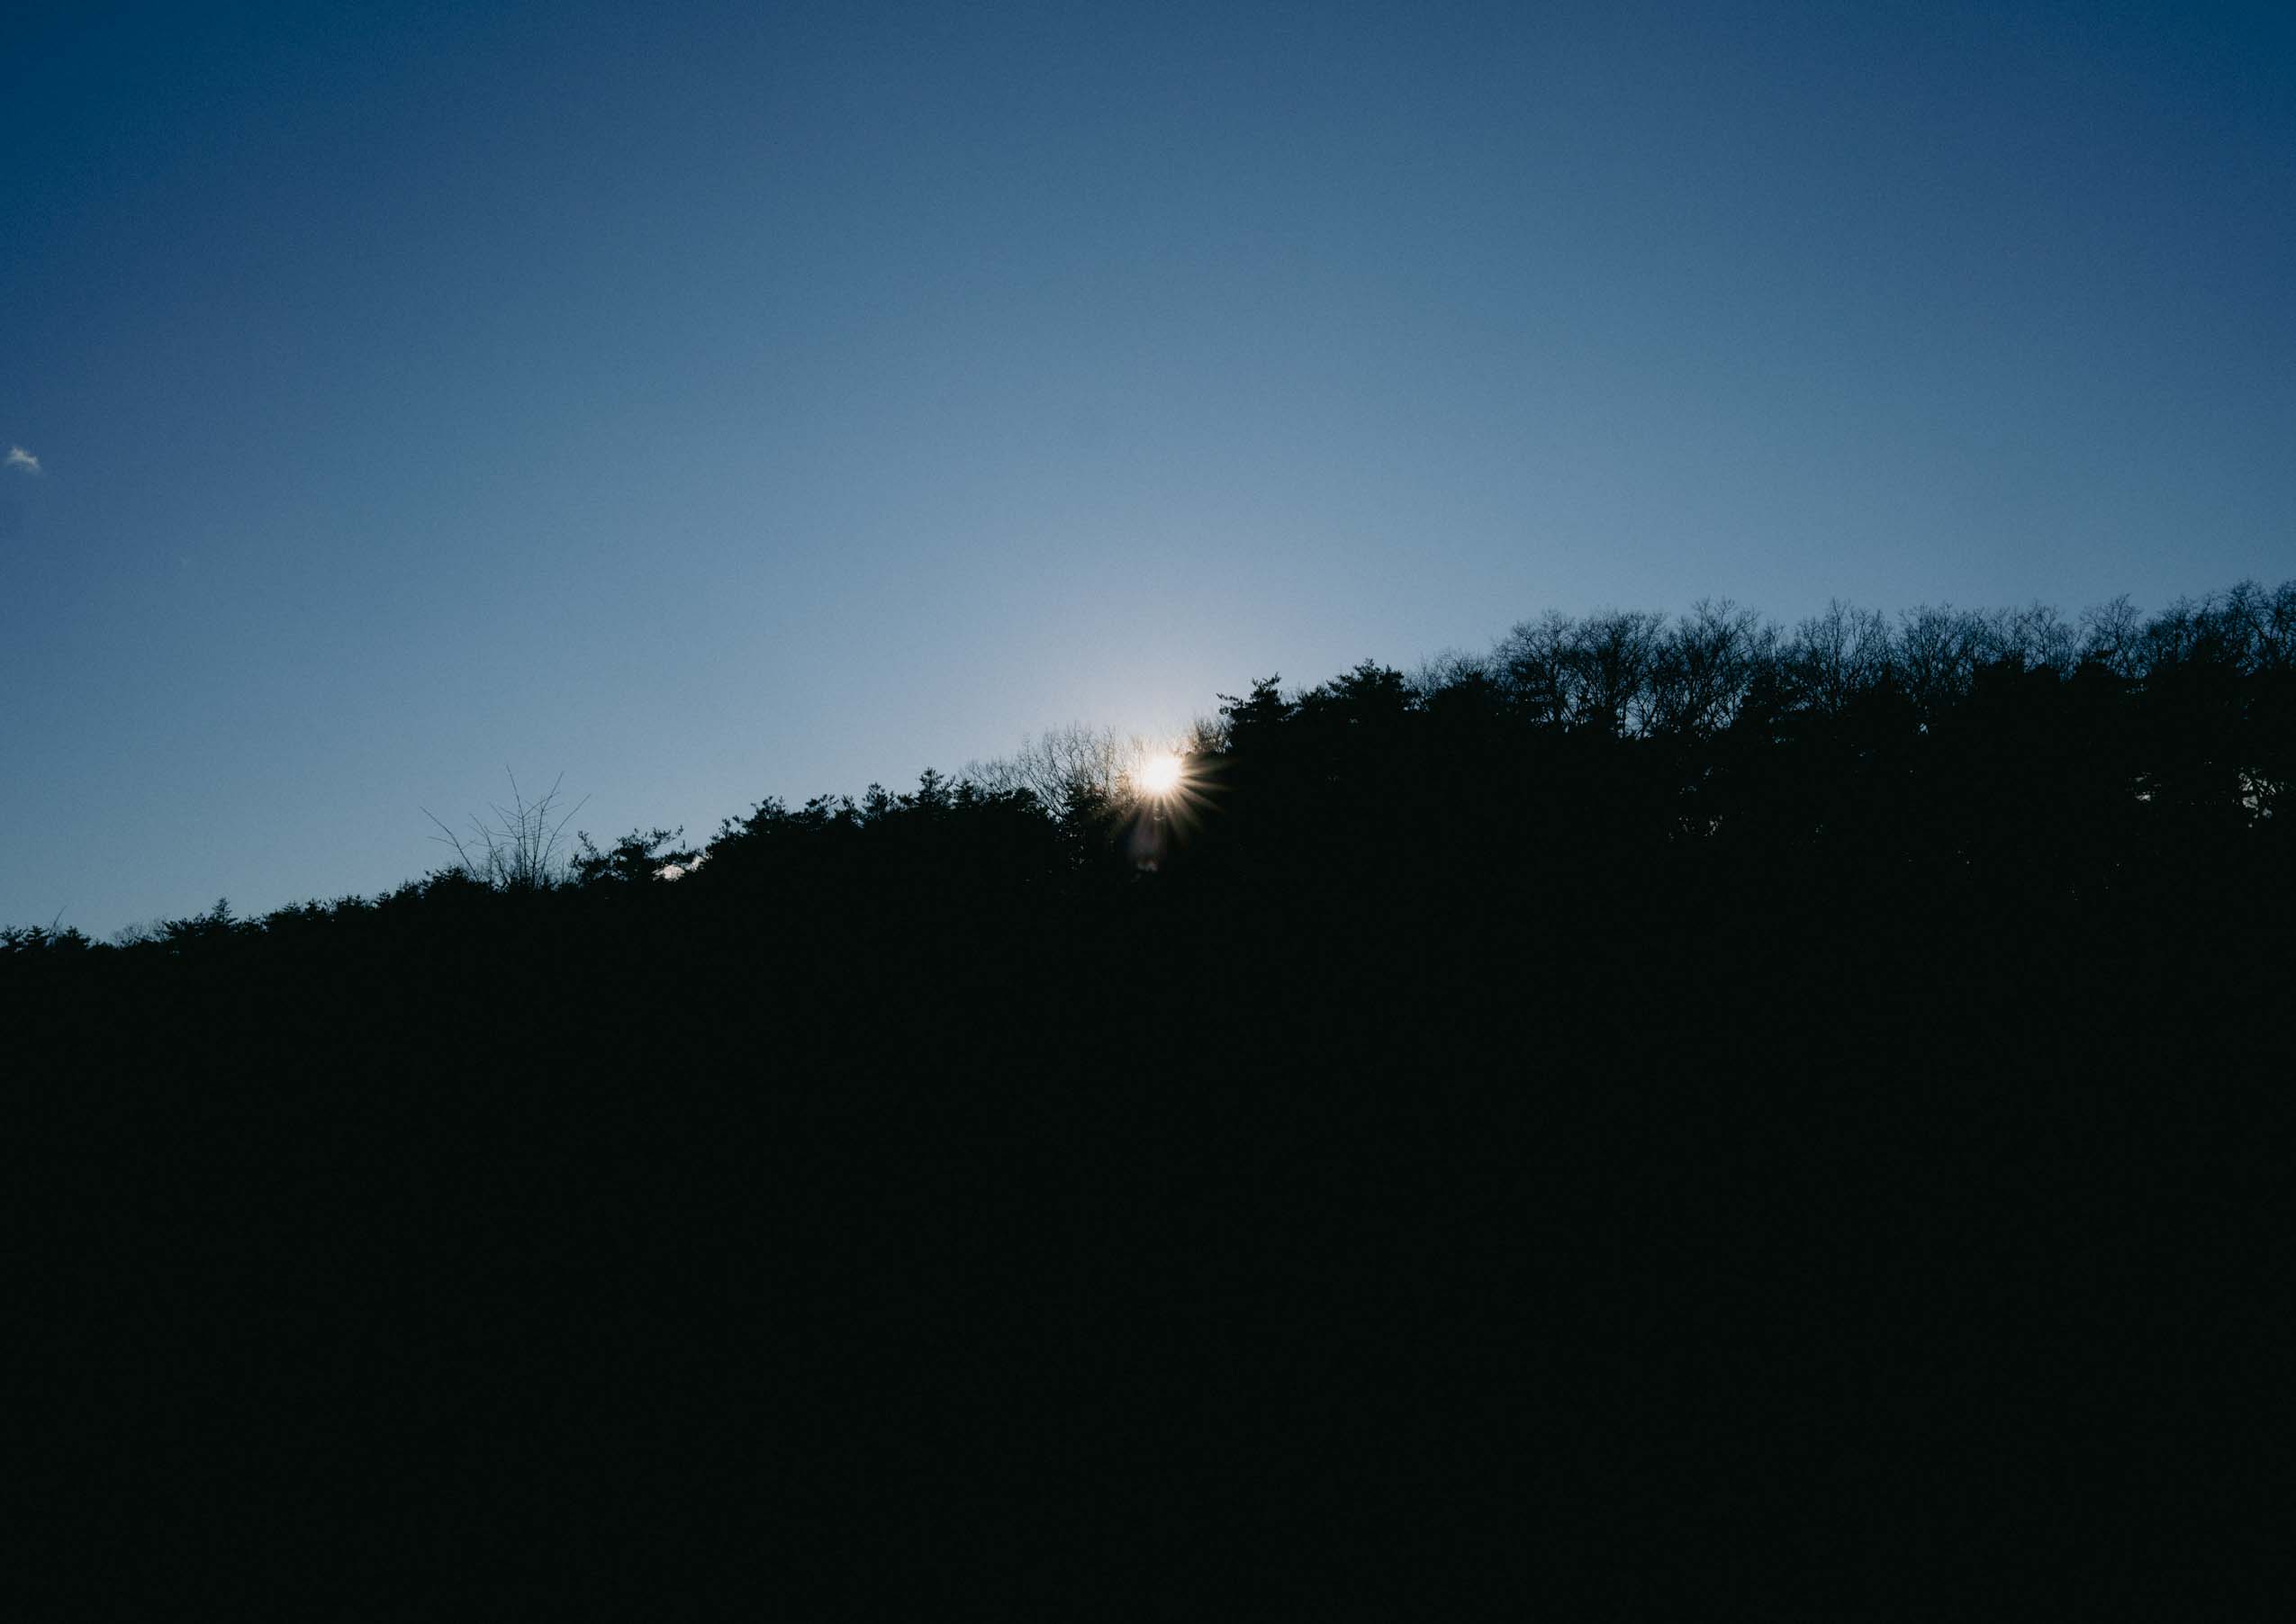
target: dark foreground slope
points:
(1823, 1165)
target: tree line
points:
(2186, 712)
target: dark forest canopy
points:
(1673, 1116)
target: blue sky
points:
(726, 402)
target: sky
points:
(710, 402)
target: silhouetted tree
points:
(642, 855)
(521, 849)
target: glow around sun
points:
(1159, 775)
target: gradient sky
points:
(710, 402)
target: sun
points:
(1159, 775)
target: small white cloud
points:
(18, 457)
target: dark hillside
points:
(1673, 1118)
